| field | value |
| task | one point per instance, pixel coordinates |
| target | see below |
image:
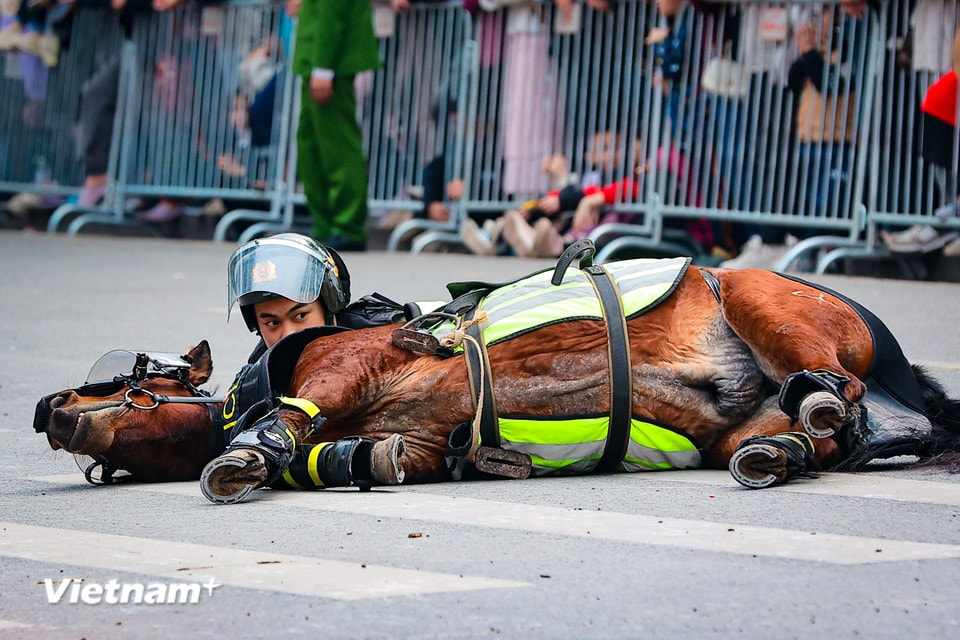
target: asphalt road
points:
(675, 554)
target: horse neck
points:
(357, 380)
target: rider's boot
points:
(765, 461)
(347, 462)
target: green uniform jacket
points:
(336, 35)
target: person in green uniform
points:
(334, 42)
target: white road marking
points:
(934, 364)
(12, 624)
(185, 562)
(639, 529)
(854, 485)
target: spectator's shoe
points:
(393, 219)
(518, 233)
(951, 210)
(29, 42)
(547, 243)
(476, 239)
(91, 196)
(920, 238)
(10, 36)
(48, 48)
(341, 244)
(754, 254)
(162, 212)
(215, 208)
(23, 204)
(415, 191)
(952, 248)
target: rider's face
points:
(280, 317)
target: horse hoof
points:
(231, 477)
(757, 466)
(821, 414)
(386, 463)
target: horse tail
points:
(943, 443)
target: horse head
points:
(153, 421)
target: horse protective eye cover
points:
(137, 365)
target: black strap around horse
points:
(478, 368)
(618, 350)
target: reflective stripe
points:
(290, 481)
(550, 431)
(533, 302)
(303, 404)
(428, 306)
(312, 463)
(576, 444)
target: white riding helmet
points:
(286, 265)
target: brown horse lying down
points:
(707, 363)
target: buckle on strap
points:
(415, 335)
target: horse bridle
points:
(103, 388)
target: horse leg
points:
(764, 450)
(791, 327)
(271, 453)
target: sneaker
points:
(920, 238)
(756, 255)
(162, 212)
(547, 242)
(393, 219)
(49, 50)
(22, 204)
(952, 248)
(10, 36)
(951, 210)
(476, 239)
(518, 233)
(493, 227)
(215, 207)
(91, 196)
(29, 42)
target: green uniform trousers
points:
(331, 163)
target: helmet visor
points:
(271, 269)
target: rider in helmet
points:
(285, 284)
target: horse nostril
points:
(61, 399)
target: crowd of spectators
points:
(699, 67)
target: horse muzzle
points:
(74, 427)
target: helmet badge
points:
(264, 271)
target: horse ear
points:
(201, 363)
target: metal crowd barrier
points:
(912, 167)
(39, 104)
(730, 153)
(181, 132)
(707, 129)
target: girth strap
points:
(621, 373)
(481, 380)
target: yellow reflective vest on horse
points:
(574, 444)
